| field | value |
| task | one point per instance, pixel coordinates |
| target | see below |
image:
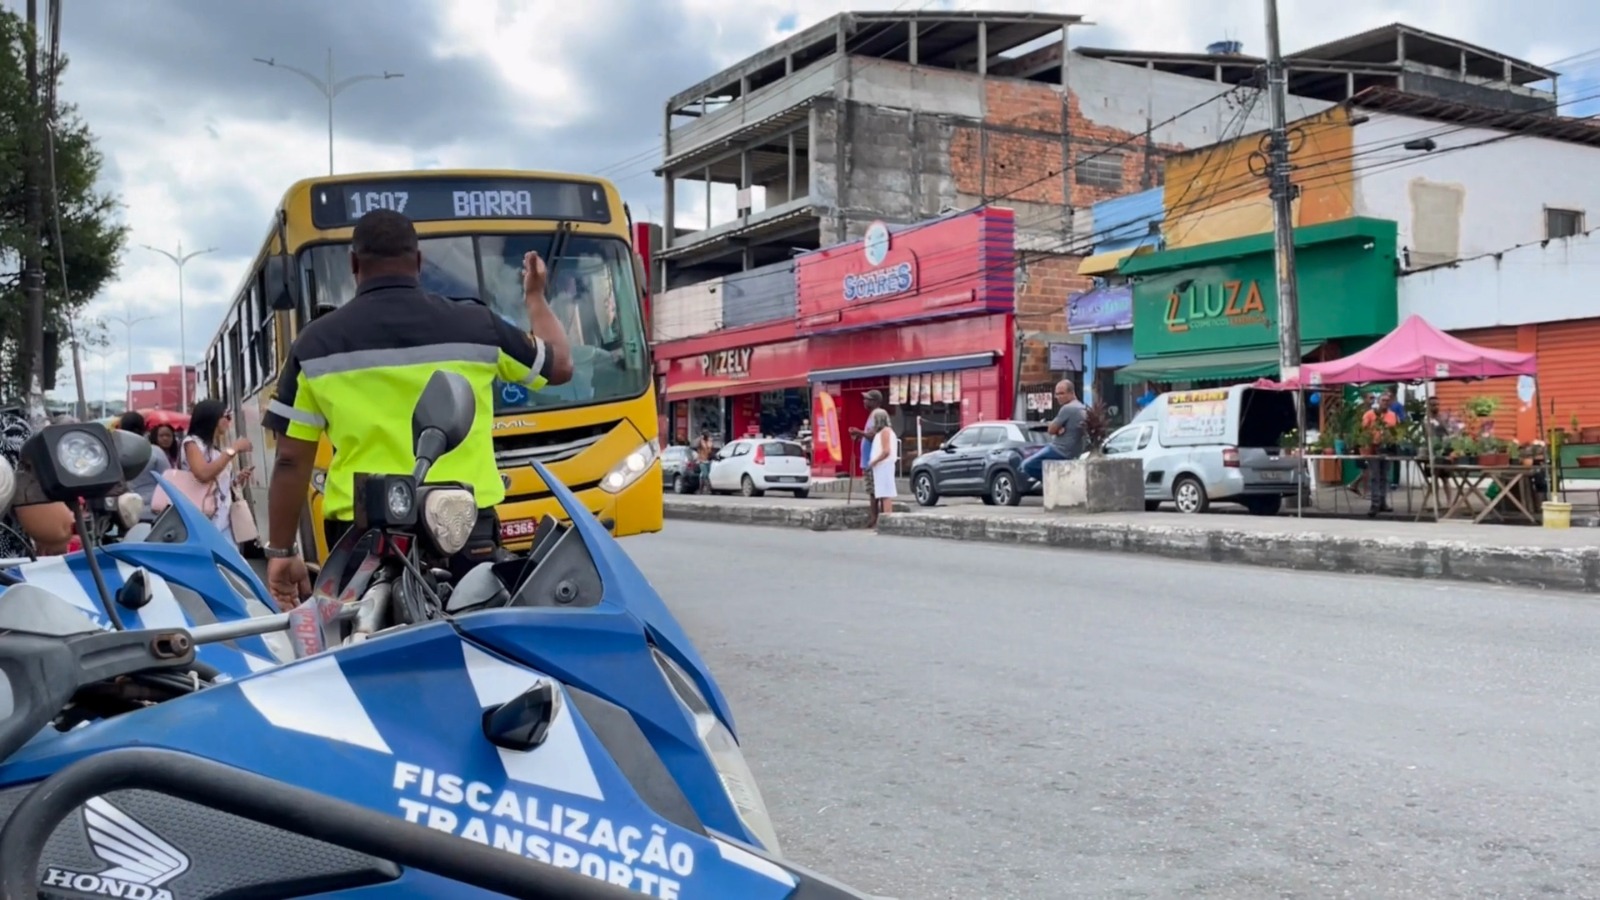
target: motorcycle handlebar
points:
(278, 805)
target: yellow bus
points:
(597, 433)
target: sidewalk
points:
(1567, 560)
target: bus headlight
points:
(732, 770)
(449, 514)
(628, 471)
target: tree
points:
(91, 238)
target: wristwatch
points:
(231, 452)
(271, 552)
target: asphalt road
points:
(934, 719)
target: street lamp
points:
(180, 259)
(128, 320)
(329, 88)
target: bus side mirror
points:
(282, 283)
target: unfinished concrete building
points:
(905, 116)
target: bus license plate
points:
(518, 528)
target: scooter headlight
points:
(628, 471)
(720, 745)
(81, 456)
(449, 515)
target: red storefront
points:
(922, 313)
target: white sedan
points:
(753, 466)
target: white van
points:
(1214, 445)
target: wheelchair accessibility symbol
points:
(513, 394)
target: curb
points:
(824, 518)
(1576, 570)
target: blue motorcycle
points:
(176, 572)
(541, 729)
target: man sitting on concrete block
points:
(1067, 435)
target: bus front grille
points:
(548, 447)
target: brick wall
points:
(1016, 156)
(1041, 306)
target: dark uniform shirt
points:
(356, 374)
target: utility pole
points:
(1283, 194)
(180, 259)
(77, 370)
(329, 88)
(128, 320)
(33, 214)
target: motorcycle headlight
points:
(449, 515)
(628, 471)
(81, 456)
(737, 779)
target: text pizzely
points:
(884, 282)
(551, 833)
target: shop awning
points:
(1222, 365)
(918, 367)
(1101, 263)
(694, 389)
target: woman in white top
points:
(885, 453)
(208, 455)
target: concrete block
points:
(1095, 485)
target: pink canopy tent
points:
(1413, 352)
(1416, 351)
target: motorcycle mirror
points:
(133, 454)
(442, 417)
(8, 484)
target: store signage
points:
(957, 265)
(889, 281)
(1223, 304)
(733, 363)
(1106, 309)
(1224, 296)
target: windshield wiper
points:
(558, 248)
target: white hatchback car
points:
(753, 466)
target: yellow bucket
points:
(1557, 515)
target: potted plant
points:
(1096, 426)
(1289, 443)
(1368, 440)
(1463, 449)
(1589, 434)
(1492, 451)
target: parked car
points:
(680, 470)
(1221, 445)
(984, 460)
(753, 466)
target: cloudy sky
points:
(201, 142)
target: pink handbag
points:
(201, 495)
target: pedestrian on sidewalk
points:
(1377, 467)
(703, 450)
(874, 403)
(1067, 435)
(885, 453)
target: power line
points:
(1077, 245)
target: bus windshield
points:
(592, 293)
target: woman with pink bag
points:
(207, 457)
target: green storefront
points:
(1210, 312)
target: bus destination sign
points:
(339, 205)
